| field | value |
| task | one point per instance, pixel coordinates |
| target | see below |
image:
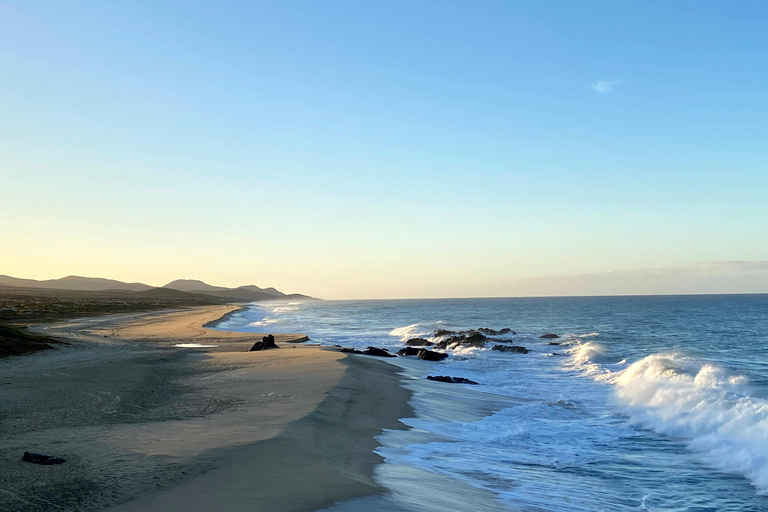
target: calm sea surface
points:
(647, 403)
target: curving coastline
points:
(145, 425)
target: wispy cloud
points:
(604, 86)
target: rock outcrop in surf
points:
(370, 351)
(429, 355)
(511, 348)
(451, 380)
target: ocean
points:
(644, 403)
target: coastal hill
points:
(193, 286)
(27, 301)
(74, 283)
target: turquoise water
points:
(648, 403)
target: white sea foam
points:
(410, 331)
(264, 321)
(502, 451)
(678, 396)
(587, 352)
(284, 309)
(463, 350)
(587, 357)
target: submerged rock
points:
(439, 333)
(492, 332)
(511, 348)
(418, 342)
(428, 355)
(45, 460)
(549, 336)
(451, 380)
(370, 351)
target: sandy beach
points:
(147, 425)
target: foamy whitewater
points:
(643, 403)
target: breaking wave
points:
(284, 309)
(679, 396)
(419, 330)
(264, 321)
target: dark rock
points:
(452, 342)
(492, 332)
(408, 351)
(511, 348)
(265, 343)
(429, 355)
(472, 339)
(45, 460)
(379, 352)
(370, 351)
(418, 342)
(442, 332)
(549, 336)
(475, 339)
(555, 343)
(451, 380)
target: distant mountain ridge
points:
(191, 285)
(194, 286)
(74, 283)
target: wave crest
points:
(264, 321)
(411, 331)
(675, 395)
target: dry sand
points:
(145, 425)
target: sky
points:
(388, 149)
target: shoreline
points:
(145, 425)
(226, 316)
(321, 459)
(168, 327)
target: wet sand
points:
(145, 425)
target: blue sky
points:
(361, 149)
